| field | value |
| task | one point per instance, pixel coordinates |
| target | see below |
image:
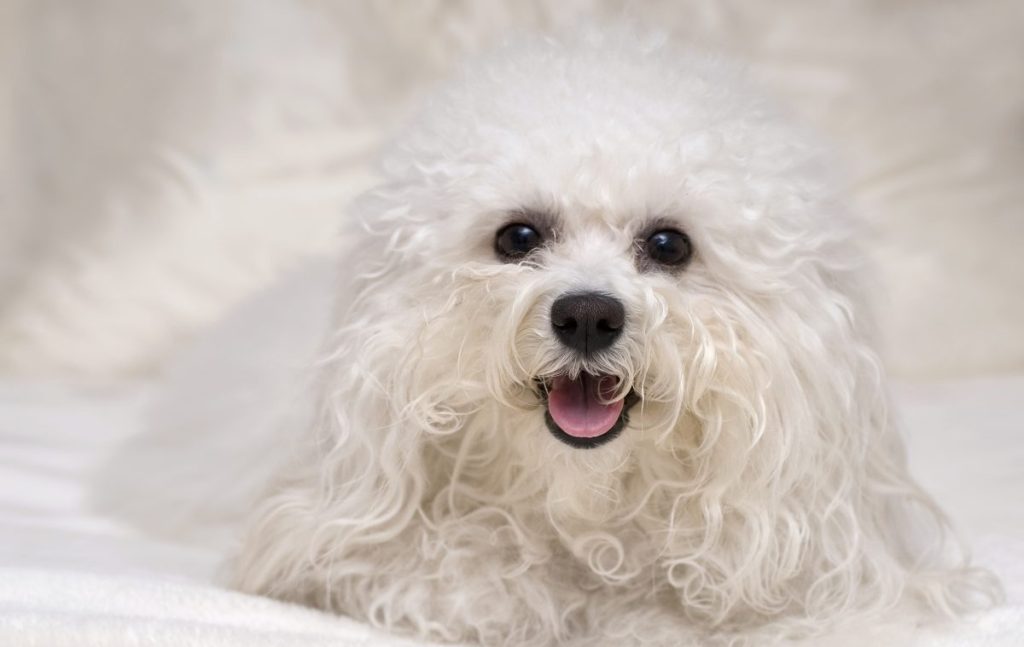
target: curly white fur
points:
(760, 489)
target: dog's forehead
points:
(577, 179)
(604, 137)
(573, 218)
(597, 135)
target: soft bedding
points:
(71, 576)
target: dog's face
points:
(596, 326)
(588, 341)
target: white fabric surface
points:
(52, 608)
(69, 576)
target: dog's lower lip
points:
(630, 400)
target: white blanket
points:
(69, 576)
(52, 608)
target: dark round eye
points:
(669, 247)
(516, 241)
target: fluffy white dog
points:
(603, 369)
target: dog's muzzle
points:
(580, 410)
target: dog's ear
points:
(805, 498)
(352, 493)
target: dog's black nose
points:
(587, 321)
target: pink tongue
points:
(577, 409)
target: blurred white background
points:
(160, 160)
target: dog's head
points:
(592, 258)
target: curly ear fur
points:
(760, 489)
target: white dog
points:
(602, 367)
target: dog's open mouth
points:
(581, 411)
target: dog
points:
(603, 368)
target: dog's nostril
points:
(565, 324)
(587, 321)
(614, 319)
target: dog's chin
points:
(580, 412)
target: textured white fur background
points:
(160, 160)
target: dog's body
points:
(602, 365)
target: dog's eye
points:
(516, 241)
(669, 247)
